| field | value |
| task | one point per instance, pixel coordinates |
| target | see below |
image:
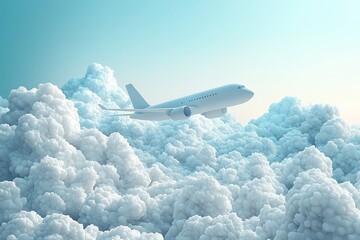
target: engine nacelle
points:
(180, 113)
(215, 113)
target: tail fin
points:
(137, 100)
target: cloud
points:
(318, 207)
(227, 226)
(68, 170)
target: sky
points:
(167, 49)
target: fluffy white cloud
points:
(21, 225)
(227, 226)
(309, 158)
(317, 207)
(10, 200)
(70, 171)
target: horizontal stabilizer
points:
(102, 107)
(121, 115)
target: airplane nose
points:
(248, 94)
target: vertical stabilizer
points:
(137, 100)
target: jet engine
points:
(215, 113)
(180, 113)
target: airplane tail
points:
(137, 100)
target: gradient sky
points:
(307, 49)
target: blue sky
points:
(308, 49)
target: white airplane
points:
(211, 104)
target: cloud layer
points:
(70, 171)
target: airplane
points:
(212, 103)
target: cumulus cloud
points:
(70, 171)
(318, 207)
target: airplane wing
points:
(145, 110)
(121, 115)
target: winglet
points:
(137, 100)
